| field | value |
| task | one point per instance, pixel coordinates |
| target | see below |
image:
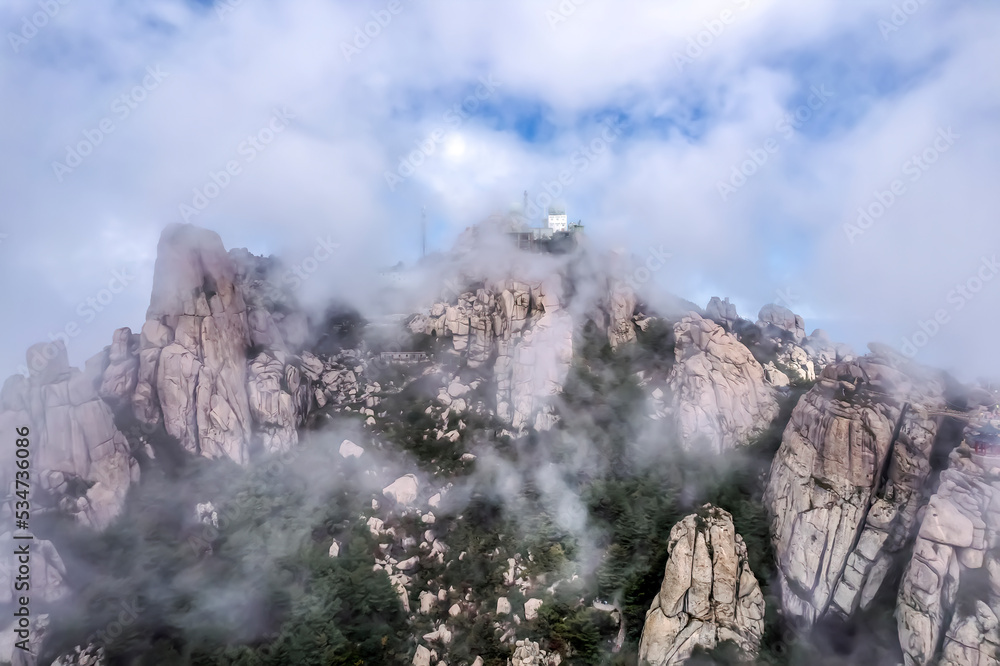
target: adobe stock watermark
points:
(48, 9)
(960, 296)
(913, 168)
(127, 616)
(453, 118)
(562, 12)
(242, 505)
(656, 259)
(121, 108)
(225, 7)
(787, 297)
(363, 35)
(792, 121)
(899, 17)
(698, 44)
(87, 311)
(580, 161)
(303, 270)
(248, 149)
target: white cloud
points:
(658, 185)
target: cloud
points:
(687, 128)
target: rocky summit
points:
(530, 466)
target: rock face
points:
(193, 347)
(722, 312)
(218, 362)
(522, 329)
(719, 388)
(622, 303)
(79, 455)
(708, 594)
(848, 480)
(774, 320)
(949, 598)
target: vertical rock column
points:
(193, 348)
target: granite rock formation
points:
(82, 461)
(848, 480)
(949, 598)
(719, 388)
(708, 594)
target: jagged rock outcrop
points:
(719, 389)
(81, 459)
(848, 480)
(949, 598)
(795, 363)
(776, 320)
(823, 351)
(708, 594)
(219, 362)
(722, 312)
(193, 348)
(523, 329)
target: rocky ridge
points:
(223, 367)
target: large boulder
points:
(708, 594)
(848, 480)
(779, 321)
(721, 396)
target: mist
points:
(638, 117)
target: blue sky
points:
(687, 125)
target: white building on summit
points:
(558, 220)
